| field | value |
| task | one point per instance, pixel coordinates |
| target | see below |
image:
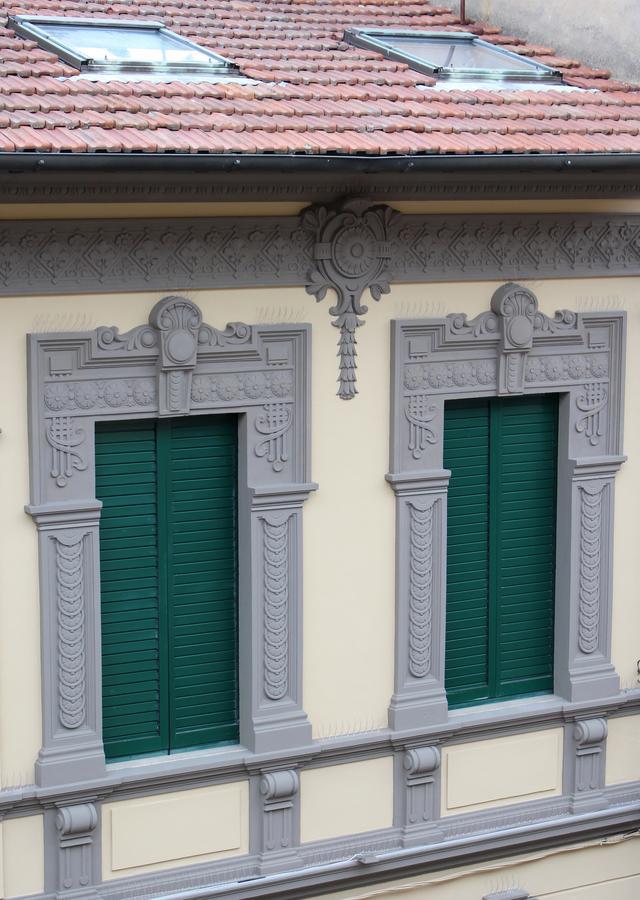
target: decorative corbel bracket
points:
(351, 253)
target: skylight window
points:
(453, 55)
(118, 45)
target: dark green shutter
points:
(126, 482)
(198, 457)
(466, 454)
(168, 559)
(501, 547)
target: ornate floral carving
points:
(65, 438)
(276, 608)
(274, 423)
(574, 367)
(91, 395)
(144, 338)
(420, 412)
(71, 630)
(592, 401)
(484, 325)
(439, 376)
(244, 386)
(420, 589)
(351, 253)
(590, 576)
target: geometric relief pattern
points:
(274, 423)
(592, 402)
(420, 589)
(590, 564)
(419, 413)
(64, 439)
(71, 630)
(276, 608)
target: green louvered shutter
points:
(501, 547)
(126, 482)
(466, 454)
(198, 457)
(523, 469)
(168, 560)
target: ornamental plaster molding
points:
(175, 364)
(509, 350)
(352, 246)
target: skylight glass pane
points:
(121, 45)
(465, 54)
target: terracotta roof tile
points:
(314, 93)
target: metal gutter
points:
(288, 164)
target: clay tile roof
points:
(315, 94)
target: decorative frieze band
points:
(355, 248)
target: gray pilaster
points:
(417, 795)
(419, 698)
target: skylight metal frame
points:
(28, 26)
(370, 39)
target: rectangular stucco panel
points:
(623, 750)
(165, 831)
(346, 799)
(23, 856)
(348, 524)
(501, 771)
(587, 872)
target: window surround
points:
(513, 349)
(174, 365)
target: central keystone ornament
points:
(351, 252)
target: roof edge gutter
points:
(296, 164)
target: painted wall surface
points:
(348, 522)
(623, 750)
(600, 35)
(346, 799)
(588, 872)
(22, 856)
(502, 771)
(166, 831)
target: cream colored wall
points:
(346, 799)
(623, 750)
(348, 523)
(501, 771)
(22, 856)
(607, 871)
(165, 831)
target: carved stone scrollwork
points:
(421, 777)
(517, 309)
(71, 630)
(278, 825)
(420, 589)
(276, 609)
(178, 322)
(351, 254)
(590, 553)
(589, 739)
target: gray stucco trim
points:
(372, 857)
(513, 349)
(355, 247)
(175, 365)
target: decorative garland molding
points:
(511, 349)
(354, 247)
(174, 365)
